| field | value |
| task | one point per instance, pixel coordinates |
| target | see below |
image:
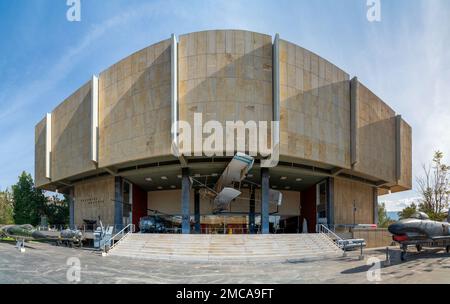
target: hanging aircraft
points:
(228, 186)
(419, 231)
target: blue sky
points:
(404, 58)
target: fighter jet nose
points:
(395, 228)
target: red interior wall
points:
(308, 203)
(139, 205)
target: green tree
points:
(408, 211)
(28, 201)
(6, 208)
(57, 211)
(434, 188)
(383, 219)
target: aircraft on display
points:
(27, 233)
(420, 231)
(228, 186)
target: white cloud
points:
(398, 205)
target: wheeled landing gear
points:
(404, 251)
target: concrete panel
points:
(94, 200)
(315, 107)
(376, 137)
(346, 193)
(135, 107)
(71, 135)
(405, 157)
(229, 80)
(39, 154)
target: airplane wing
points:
(226, 196)
(235, 171)
(441, 238)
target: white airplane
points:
(236, 171)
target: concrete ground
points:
(44, 263)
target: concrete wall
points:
(374, 238)
(71, 135)
(405, 181)
(134, 107)
(376, 136)
(226, 76)
(94, 199)
(345, 193)
(39, 154)
(315, 107)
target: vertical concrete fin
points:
(398, 147)
(354, 125)
(375, 205)
(94, 119)
(48, 146)
(273, 161)
(174, 95)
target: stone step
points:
(225, 247)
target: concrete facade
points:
(330, 126)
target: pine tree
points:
(29, 202)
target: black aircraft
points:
(419, 231)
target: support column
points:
(330, 201)
(118, 204)
(375, 205)
(251, 215)
(197, 211)
(71, 209)
(265, 188)
(185, 203)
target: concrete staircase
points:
(226, 248)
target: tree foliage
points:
(57, 211)
(383, 219)
(6, 208)
(434, 188)
(30, 204)
(408, 211)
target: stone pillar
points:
(197, 211)
(330, 201)
(118, 204)
(265, 188)
(185, 202)
(72, 209)
(251, 214)
(375, 205)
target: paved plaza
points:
(45, 263)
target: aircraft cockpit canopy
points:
(420, 216)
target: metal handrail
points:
(325, 230)
(111, 242)
(337, 239)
